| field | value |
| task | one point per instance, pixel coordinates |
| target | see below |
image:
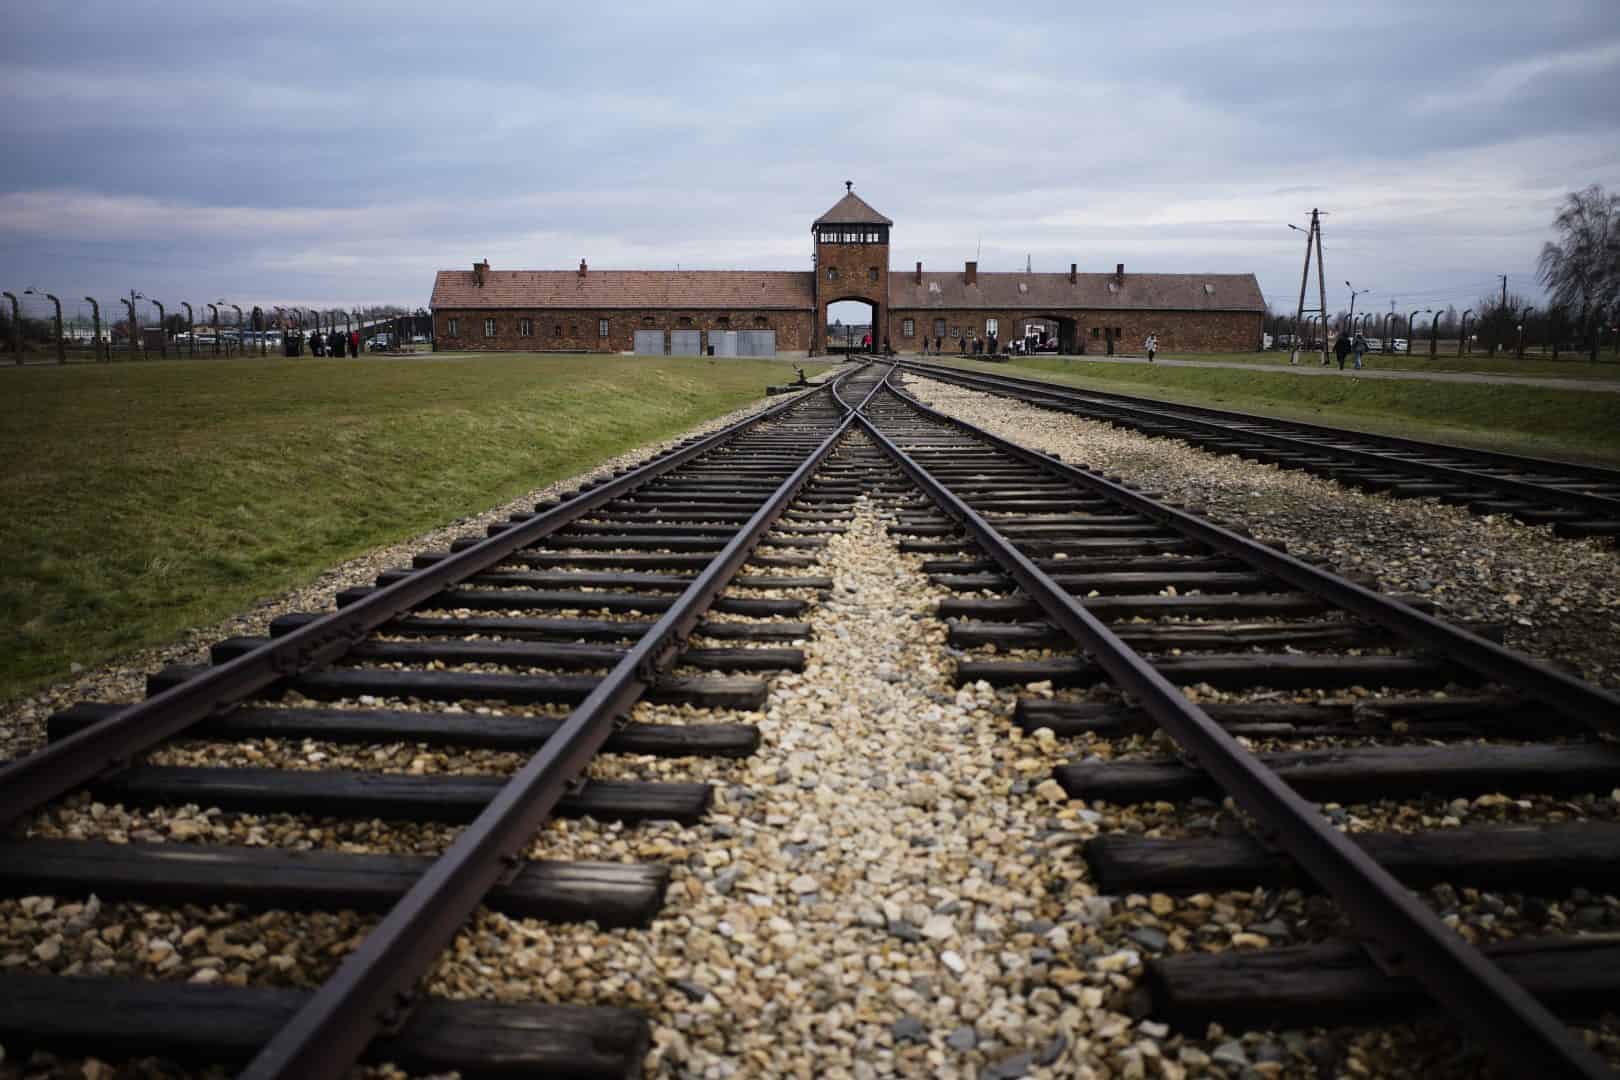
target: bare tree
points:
(1582, 269)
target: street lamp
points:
(191, 330)
(1388, 347)
(61, 346)
(215, 309)
(16, 327)
(1434, 340)
(163, 330)
(1354, 292)
(95, 340)
(1523, 316)
(1462, 333)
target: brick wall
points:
(1179, 331)
(854, 264)
(579, 331)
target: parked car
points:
(1402, 345)
(1375, 344)
(379, 342)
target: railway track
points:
(531, 646)
(1576, 500)
(1136, 595)
(1112, 613)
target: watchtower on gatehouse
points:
(852, 263)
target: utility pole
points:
(1304, 276)
(136, 349)
(1504, 289)
(1321, 281)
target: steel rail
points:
(1398, 442)
(332, 1029)
(1601, 505)
(1400, 932)
(29, 782)
(1599, 709)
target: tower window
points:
(908, 328)
(832, 273)
(872, 273)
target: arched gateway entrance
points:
(852, 263)
(849, 321)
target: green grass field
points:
(1569, 365)
(142, 499)
(1539, 421)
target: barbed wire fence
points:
(38, 326)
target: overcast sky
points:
(340, 153)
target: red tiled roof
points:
(1155, 292)
(792, 289)
(852, 210)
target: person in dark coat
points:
(1341, 349)
(334, 344)
(317, 343)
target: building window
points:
(525, 328)
(761, 322)
(602, 327)
(956, 332)
(1118, 333)
(558, 330)
(908, 328)
(723, 322)
(828, 235)
(647, 321)
(453, 329)
(685, 321)
(939, 327)
(832, 273)
(489, 327)
(1096, 332)
(872, 273)
(991, 327)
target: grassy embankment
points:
(141, 499)
(1569, 365)
(1538, 421)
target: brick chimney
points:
(918, 278)
(1073, 276)
(970, 273)
(1119, 273)
(582, 268)
(479, 270)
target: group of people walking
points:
(965, 346)
(1348, 346)
(334, 344)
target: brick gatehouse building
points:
(762, 312)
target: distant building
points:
(761, 312)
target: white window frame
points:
(453, 328)
(489, 327)
(601, 328)
(992, 327)
(908, 327)
(525, 328)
